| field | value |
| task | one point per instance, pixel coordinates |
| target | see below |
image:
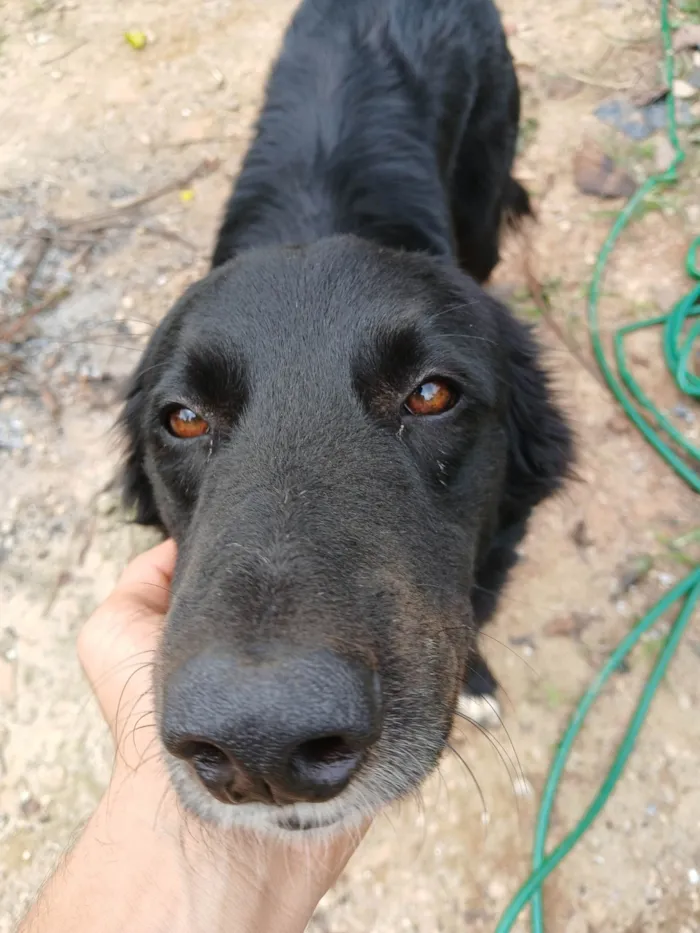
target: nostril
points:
(328, 760)
(200, 751)
(327, 750)
(211, 763)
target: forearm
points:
(116, 878)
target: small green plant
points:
(651, 648)
(553, 695)
(656, 203)
(528, 131)
(691, 8)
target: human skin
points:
(142, 863)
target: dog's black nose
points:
(277, 732)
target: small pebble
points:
(664, 153)
(682, 90)
(684, 413)
(694, 876)
(665, 579)
(496, 890)
(577, 924)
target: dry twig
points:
(543, 305)
(102, 220)
(13, 329)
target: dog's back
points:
(395, 120)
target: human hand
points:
(117, 648)
(199, 878)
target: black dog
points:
(344, 433)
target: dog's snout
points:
(277, 732)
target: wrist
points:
(206, 878)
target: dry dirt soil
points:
(88, 124)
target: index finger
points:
(148, 577)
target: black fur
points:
(379, 175)
(394, 120)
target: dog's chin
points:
(342, 814)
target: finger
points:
(128, 615)
(117, 644)
(148, 577)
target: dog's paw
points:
(484, 710)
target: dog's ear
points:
(137, 491)
(540, 442)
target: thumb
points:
(117, 644)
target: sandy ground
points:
(88, 122)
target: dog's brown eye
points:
(432, 398)
(185, 423)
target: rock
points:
(107, 503)
(496, 889)
(560, 87)
(596, 174)
(687, 37)
(12, 434)
(648, 93)
(683, 90)
(624, 117)
(29, 806)
(572, 624)
(664, 153)
(580, 535)
(8, 643)
(619, 424)
(631, 573)
(577, 924)
(683, 413)
(640, 123)
(8, 682)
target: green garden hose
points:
(680, 335)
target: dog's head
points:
(333, 435)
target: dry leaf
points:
(619, 424)
(595, 173)
(564, 626)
